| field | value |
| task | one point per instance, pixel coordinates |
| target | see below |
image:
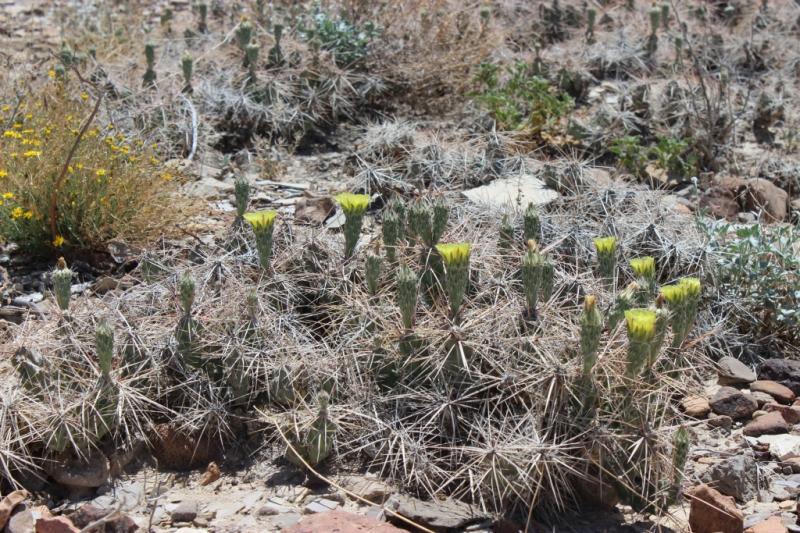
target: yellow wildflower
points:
(58, 242)
(51, 74)
(100, 172)
(454, 253)
(605, 245)
(166, 176)
(641, 323)
(28, 214)
(32, 153)
(11, 134)
(84, 96)
(644, 267)
(8, 195)
(352, 204)
(79, 166)
(3, 173)
(17, 212)
(28, 116)
(261, 219)
(6, 108)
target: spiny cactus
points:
(662, 320)
(319, 441)
(644, 268)
(606, 248)
(32, 369)
(244, 33)
(202, 17)
(372, 271)
(407, 295)
(664, 16)
(263, 224)
(678, 50)
(241, 195)
(535, 269)
(251, 53)
(427, 222)
(680, 452)
(275, 55)
(187, 66)
(532, 226)
(591, 329)
(625, 300)
(505, 240)
(591, 18)
(354, 206)
(641, 325)
(62, 284)
(104, 345)
(456, 260)
(187, 333)
(391, 230)
(652, 39)
(682, 300)
(149, 77)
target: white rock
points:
(516, 190)
(782, 447)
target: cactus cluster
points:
(263, 224)
(427, 221)
(316, 443)
(455, 257)
(682, 299)
(537, 278)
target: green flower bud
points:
(407, 295)
(62, 284)
(391, 234)
(591, 330)
(531, 224)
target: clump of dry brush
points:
(455, 359)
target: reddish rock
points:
(722, 197)
(89, 513)
(733, 403)
(784, 371)
(55, 524)
(764, 196)
(341, 522)
(696, 406)
(711, 512)
(780, 392)
(177, 450)
(8, 503)
(790, 413)
(773, 524)
(766, 424)
(211, 474)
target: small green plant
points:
(372, 271)
(407, 295)
(244, 33)
(537, 278)
(354, 206)
(391, 231)
(187, 66)
(149, 77)
(187, 333)
(263, 224)
(251, 53)
(104, 344)
(591, 18)
(631, 154)
(606, 248)
(62, 284)
(241, 195)
(591, 330)
(347, 42)
(317, 443)
(275, 55)
(523, 100)
(455, 257)
(202, 17)
(532, 226)
(506, 239)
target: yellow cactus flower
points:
(454, 253)
(6, 108)
(691, 286)
(352, 204)
(261, 219)
(51, 74)
(11, 134)
(644, 267)
(58, 242)
(84, 96)
(673, 294)
(28, 215)
(641, 323)
(605, 245)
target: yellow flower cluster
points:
(605, 245)
(644, 267)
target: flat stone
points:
(285, 520)
(55, 524)
(521, 190)
(696, 406)
(734, 476)
(790, 413)
(9, 502)
(761, 398)
(370, 489)
(773, 524)
(780, 392)
(21, 521)
(275, 506)
(322, 505)
(436, 515)
(784, 371)
(768, 424)
(90, 472)
(711, 512)
(185, 512)
(731, 371)
(782, 447)
(342, 522)
(122, 496)
(720, 421)
(733, 403)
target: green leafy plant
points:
(348, 42)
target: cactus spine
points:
(149, 77)
(62, 284)
(591, 329)
(407, 295)
(263, 224)
(372, 271)
(391, 234)
(354, 206)
(456, 260)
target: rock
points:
(371, 489)
(89, 513)
(55, 524)
(735, 476)
(696, 406)
(733, 403)
(780, 392)
(275, 506)
(511, 191)
(8, 504)
(87, 472)
(721, 198)
(782, 447)
(123, 496)
(790, 413)
(185, 512)
(758, 413)
(211, 474)
(773, 524)
(768, 424)
(720, 421)
(731, 371)
(312, 209)
(762, 398)
(321, 505)
(285, 521)
(208, 188)
(711, 512)
(176, 450)
(445, 515)
(342, 522)
(21, 521)
(764, 196)
(784, 371)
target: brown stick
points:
(63, 174)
